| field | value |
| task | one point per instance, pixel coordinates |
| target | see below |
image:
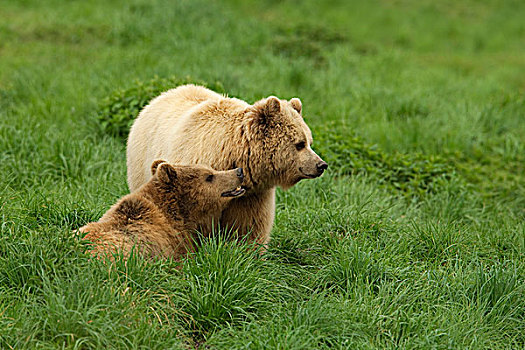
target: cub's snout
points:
(240, 174)
(237, 191)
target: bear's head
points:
(194, 192)
(282, 142)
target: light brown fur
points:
(162, 216)
(194, 125)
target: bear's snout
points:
(321, 167)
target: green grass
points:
(414, 238)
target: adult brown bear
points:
(194, 125)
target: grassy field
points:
(414, 238)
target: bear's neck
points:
(168, 204)
(260, 175)
(180, 214)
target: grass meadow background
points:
(413, 239)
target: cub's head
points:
(196, 190)
(283, 142)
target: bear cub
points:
(160, 219)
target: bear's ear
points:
(167, 173)
(296, 104)
(266, 109)
(155, 165)
(272, 106)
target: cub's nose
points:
(322, 166)
(239, 173)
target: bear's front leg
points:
(252, 216)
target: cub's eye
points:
(209, 178)
(299, 146)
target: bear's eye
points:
(209, 178)
(301, 145)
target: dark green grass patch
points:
(117, 111)
(306, 41)
(413, 174)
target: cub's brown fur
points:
(162, 216)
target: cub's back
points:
(135, 222)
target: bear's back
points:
(162, 128)
(136, 222)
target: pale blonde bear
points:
(194, 125)
(161, 218)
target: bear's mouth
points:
(308, 176)
(234, 193)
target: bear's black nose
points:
(239, 173)
(322, 166)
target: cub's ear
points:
(267, 108)
(155, 165)
(296, 104)
(167, 173)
